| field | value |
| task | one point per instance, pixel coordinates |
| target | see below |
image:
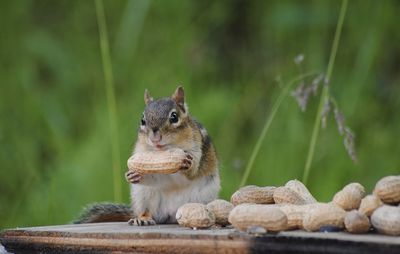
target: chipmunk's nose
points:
(156, 135)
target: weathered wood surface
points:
(122, 238)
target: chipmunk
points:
(165, 124)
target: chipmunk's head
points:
(165, 121)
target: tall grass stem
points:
(111, 101)
(268, 122)
(325, 92)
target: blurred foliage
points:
(55, 152)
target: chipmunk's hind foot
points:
(143, 220)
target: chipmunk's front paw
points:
(133, 176)
(141, 222)
(187, 162)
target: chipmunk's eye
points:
(142, 121)
(173, 118)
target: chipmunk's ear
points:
(179, 98)
(147, 97)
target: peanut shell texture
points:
(324, 216)
(247, 216)
(369, 204)
(195, 215)
(300, 188)
(253, 194)
(388, 189)
(357, 222)
(221, 209)
(284, 195)
(157, 162)
(386, 220)
(350, 196)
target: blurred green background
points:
(55, 153)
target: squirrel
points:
(155, 198)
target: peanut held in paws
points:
(159, 162)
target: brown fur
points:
(188, 135)
(104, 212)
(145, 216)
(208, 162)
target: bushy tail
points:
(104, 212)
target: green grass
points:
(268, 122)
(111, 100)
(325, 92)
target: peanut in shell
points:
(386, 220)
(195, 215)
(247, 216)
(388, 189)
(284, 195)
(369, 204)
(357, 222)
(253, 194)
(221, 209)
(324, 215)
(300, 188)
(157, 162)
(350, 196)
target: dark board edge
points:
(32, 244)
(179, 240)
(293, 244)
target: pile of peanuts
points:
(256, 209)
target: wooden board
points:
(122, 238)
